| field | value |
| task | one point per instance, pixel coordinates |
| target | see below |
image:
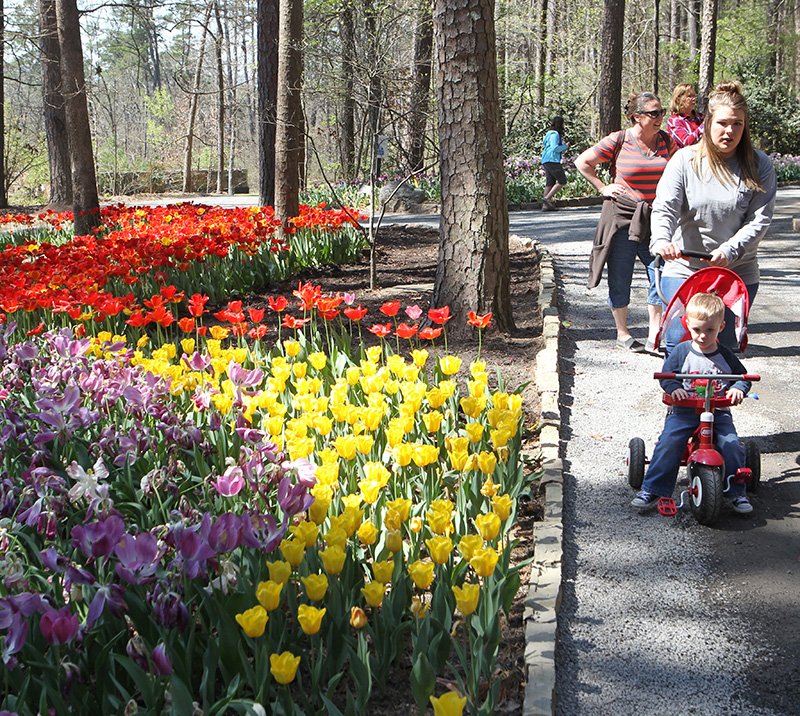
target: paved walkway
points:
(664, 616)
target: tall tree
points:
(421, 85)
(610, 86)
(193, 103)
(3, 189)
(347, 123)
(267, 49)
(86, 204)
(708, 42)
(472, 272)
(289, 109)
(55, 122)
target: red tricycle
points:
(704, 463)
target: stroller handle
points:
(658, 260)
(751, 377)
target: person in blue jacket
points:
(553, 147)
(705, 315)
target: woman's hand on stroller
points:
(668, 251)
(735, 395)
(718, 258)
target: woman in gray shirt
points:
(715, 196)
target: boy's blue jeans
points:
(666, 461)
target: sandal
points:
(630, 344)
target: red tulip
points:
(381, 329)
(474, 319)
(277, 303)
(440, 316)
(406, 331)
(430, 334)
(355, 314)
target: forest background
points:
(172, 86)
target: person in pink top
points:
(685, 123)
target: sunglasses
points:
(654, 113)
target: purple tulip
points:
(59, 627)
(261, 532)
(226, 533)
(98, 539)
(231, 482)
(161, 660)
(110, 596)
(243, 378)
(168, 607)
(139, 557)
(293, 498)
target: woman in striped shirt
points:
(638, 156)
(685, 123)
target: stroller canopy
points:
(720, 281)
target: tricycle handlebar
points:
(751, 377)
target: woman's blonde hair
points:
(728, 94)
(678, 94)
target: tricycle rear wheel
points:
(705, 490)
(752, 459)
(636, 460)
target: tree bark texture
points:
(218, 43)
(693, 22)
(656, 43)
(708, 42)
(267, 41)
(86, 205)
(289, 110)
(472, 272)
(347, 141)
(420, 89)
(193, 102)
(55, 122)
(610, 86)
(3, 188)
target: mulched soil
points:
(406, 260)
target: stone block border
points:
(544, 587)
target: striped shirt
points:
(635, 170)
(685, 130)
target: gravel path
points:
(651, 621)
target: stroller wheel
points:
(752, 459)
(636, 461)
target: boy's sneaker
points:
(741, 505)
(644, 500)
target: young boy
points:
(701, 354)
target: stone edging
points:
(544, 588)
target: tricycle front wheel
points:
(636, 460)
(705, 490)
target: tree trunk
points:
(347, 142)
(541, 59)
(374, 96)
(55, 123)
(218, 43)
(674, 36)
(708, 42)
(3, 186)
(610, 86)
(193, 102)
(420, 90)
(693, 22)
(289, 111)
(472, 272)
(86, 204)
(656, 43)
(267, 42)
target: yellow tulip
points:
(319, 508)
(351, 520)
(391, 520)
(477, 367)
(300, 369)
(306, 532)
(488, 525)
(436, 398)
(420, 357)
(358, 618)
(419, 608)
(346, 446)
(441, 523)
(394, 541)
(474, 432)
(448, 388)
(484, 561)
(367, 533)
(472, 407)
(468, 545)
(499, 437)
(364, 444)
(370, 491)
(433, 421)
(458, 460)
(279, 571)
(416, 525)
(450, 365)
(218, 332)
(403, 454)
(253, 621)
(501, 505)
(293, 551)
(449, 704)
(333, 559)
(396, 363)
(336, 537)
(291, 347)
(353, 501)
(487, 461)
(489, 489)
(425, 455)
(373, 594)
(310, 618)
(188, 345)
(421, 573)
(374, 353)
(383, 571)
(318, 360)
(440, 548)
(284, 666)
(467, 598)
(269, 594)
(402, 505)
(353, 373)
(316, 586)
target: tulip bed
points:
(244, 511)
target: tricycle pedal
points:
(667, 507)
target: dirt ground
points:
(406, 271)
